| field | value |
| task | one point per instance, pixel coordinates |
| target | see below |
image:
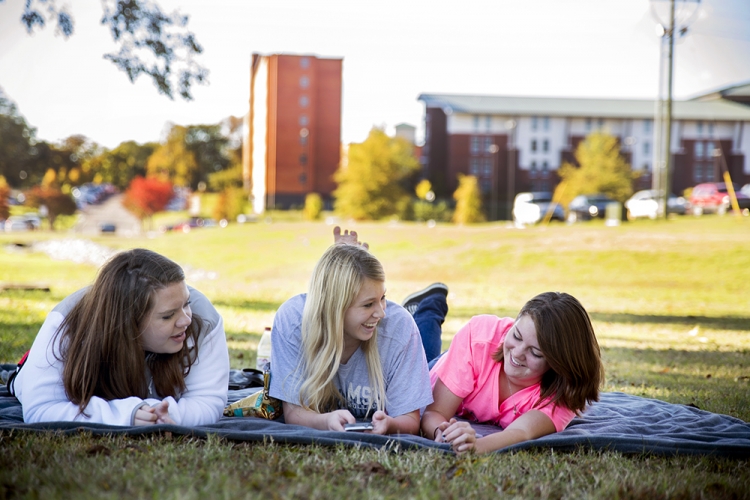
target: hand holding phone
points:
(358, 427)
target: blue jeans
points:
(429, 318)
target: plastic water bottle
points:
(264, 350)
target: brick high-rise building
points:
(294, 129)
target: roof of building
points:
(715, 109)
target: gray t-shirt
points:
(407, 379)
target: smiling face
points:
(166, 323)
(524, 362)
(364, 314)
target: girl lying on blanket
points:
(337, 357)
(529, 375)
(137, 348)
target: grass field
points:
(670, 303)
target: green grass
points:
(669, 302)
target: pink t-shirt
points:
(469, 371)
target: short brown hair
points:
(568, 343)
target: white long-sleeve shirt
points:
(39, 386)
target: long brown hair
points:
(100, 344)
(568, 343)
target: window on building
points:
(488, 122)
(588, 124)
(474, 167)
(304, 101)
(600, 123)
(487, 143)
(545, 145)
(647, 126)
(303, 120)
(545, 166)
(700, 127)
(487, 167)
(485, 185)
(709, 149)
(546, 123)
(533, 144)
(303, 159)
(476, 122)
(533, 123)
(304, 62)
(698, 149)
(646, 167)
(532, 170)
(474, 145)
(304, 82)
(303, 140)
(646, 148)
(710, 128)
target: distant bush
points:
(313, 206)
(424, 210)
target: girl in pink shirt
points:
(529, 376)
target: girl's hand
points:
(380, 423)
(460, 436)
(347, 238)
(162, 413)
(145, 415)
(440, 430)
(336, 419)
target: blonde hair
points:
(336, 280)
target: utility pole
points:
(663, 167)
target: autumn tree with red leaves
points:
(57, 202)
(146, 196)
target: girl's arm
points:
(408, 423)
(437, 415)
(531, 425)
(332, 421)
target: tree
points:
(17, 149)
(230, 204)
(468, 201)
(121, 165)
(146, 196)
(371, 184)
(173, 160)
(57, 202)
(313, 206)
(601, 170)
(151, 42)
(4, 195)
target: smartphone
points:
(358, 427)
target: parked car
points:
(588, 206)
(645, 204)
(530, 208)
(713, 197)
(26, 222)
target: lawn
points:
(670, 304)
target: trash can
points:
(613, 213)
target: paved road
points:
(109, 212)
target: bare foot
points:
(347, 238)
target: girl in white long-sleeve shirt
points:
(138, 347)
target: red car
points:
(714, 197)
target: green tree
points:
(17, 145)
(121, 165)
(601, 170)
(4, 195)
(468, 201)
(173, 161)
(313, 206)
(371, 185)
(151, 42)
(231, 203)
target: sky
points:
(392, 50)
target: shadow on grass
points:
(716, 323)
(253, 305)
